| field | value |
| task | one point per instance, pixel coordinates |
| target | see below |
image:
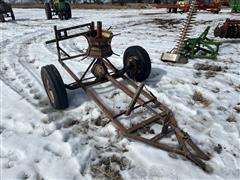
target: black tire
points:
(174, 10)
(2, 19)
(12, 15)
(61, 15)
(66, 16)
(48, 11)
(216, 12)
(54, 87)
(68, 11)
(139, 63)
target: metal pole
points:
(99, 29)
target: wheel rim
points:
(49, 90)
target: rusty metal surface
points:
(230, 29)
(134, 99)
(141, 98)
(213, 7)
(99, 43)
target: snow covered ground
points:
(38, 142)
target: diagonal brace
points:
(134, 100)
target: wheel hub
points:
(99, 70)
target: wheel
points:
(48, 11)
(2, 19)
(68, 10)
(60, 15)
(54, 87)
(174, 10)
(12, 14)
(137, 63)
(66, 16)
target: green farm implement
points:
(5, 11)
(61, 8)
(201, 47)
(235, 4)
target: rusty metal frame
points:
(229, 29)
(185, 146)
(213, 7)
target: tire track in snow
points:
(15, 74)
(27, 82)
(18, 72)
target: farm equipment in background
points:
(184, 6)
(213, 6)
(61, 8)
(176, 54)
(142, 111)
(235, 4)
(5, 11)
(230, 29)
(201, 47)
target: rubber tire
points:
(216, 12)
(48, 11)
(66, 16)
(143, 64)
(56, 84)
(174, 10)
(2, 19)
(68, 11)
(12, 15)
(61, 16)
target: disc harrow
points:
(230, 29)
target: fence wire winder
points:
(137, 67)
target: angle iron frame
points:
(166, 117)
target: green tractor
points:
(61, 8)
(235, 4)
(5, 11)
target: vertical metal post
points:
(92, 26)
(99, 29)
(57, 44)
